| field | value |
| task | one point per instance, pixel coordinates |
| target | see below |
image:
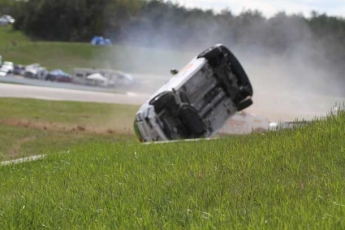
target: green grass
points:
(19, 49)
(17, 142)
(291, 179)
(30, 127)
(10, 38)
(64, 112)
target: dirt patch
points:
(77, 128)
(81, 128)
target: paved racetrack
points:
(276, 106)
(47, 93)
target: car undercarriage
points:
(202, 102)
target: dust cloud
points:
(294, 81)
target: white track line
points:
(22, 160)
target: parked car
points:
(3, 72)
(35, 71)
(9, 65)
(3, 22)
(6, 19)
(196, 101)
(59, 76)
(31, 73)
(19, 70)
(6, 68)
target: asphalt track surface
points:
(60, 94)
(276, 106)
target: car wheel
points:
(193, 124)
(212, 55)
(242, 94)
(216, 54)
(244, 104)
(162, 101)
(238, 70)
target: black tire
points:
(162, 101)
(217, 53)
(244, 104)
(243, 93)
(193, 124)
(212, 54)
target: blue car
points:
(58, 75)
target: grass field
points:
(10, 38)
(291, 179)
(30, 127)
(19, 49)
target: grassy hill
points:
(10, 37)
(290, 179)
(15, 47)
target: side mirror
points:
(174, 71)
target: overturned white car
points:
(198, 100)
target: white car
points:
(198, 100)
(6, 19)
(8, 64)
(6, 68)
